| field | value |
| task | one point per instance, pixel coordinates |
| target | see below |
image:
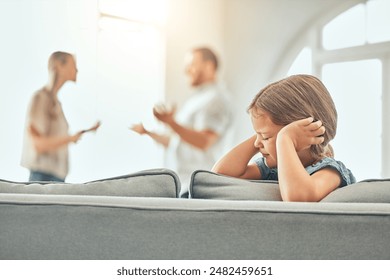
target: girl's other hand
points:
(303, 133)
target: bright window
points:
(378, 21)
(364, 23)
(358, 103)
(144, 11)
(130, 77)
(346, 30)
(302, 63)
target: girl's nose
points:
(258, 144)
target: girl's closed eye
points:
(265, 137)
(262, 137)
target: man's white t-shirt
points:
(207, 109)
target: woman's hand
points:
(303, 133)
(76, 137)
(93, 128)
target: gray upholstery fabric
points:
(92, 227)
(98, 220)
(370, 191)
(148, 183)
(209, 185)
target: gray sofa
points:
(139, 216)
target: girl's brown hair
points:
(298, 97)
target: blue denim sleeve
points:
(347, 177)
(266, 172)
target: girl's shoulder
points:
(266, 172)
(347, 177)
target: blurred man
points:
(198, 129)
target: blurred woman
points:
(46, 140)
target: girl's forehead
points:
(256, 112)
(261, 119)
(259, 115)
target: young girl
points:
(294, 120)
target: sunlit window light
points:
(378, 21)
(363, 23)
(353, 93)
(145, 11)
(118, 24)
(302, 63)
(346, 30)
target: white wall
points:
(191, 23)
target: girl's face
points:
(266, 132)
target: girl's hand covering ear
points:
(303, 133)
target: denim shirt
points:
(346, 175)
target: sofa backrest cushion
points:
(147, 183)
(377, 191)
(209, 185)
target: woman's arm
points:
(236, 162)
(44, 143)
(294, 182)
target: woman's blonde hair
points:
(298, 97)
(58, 57)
